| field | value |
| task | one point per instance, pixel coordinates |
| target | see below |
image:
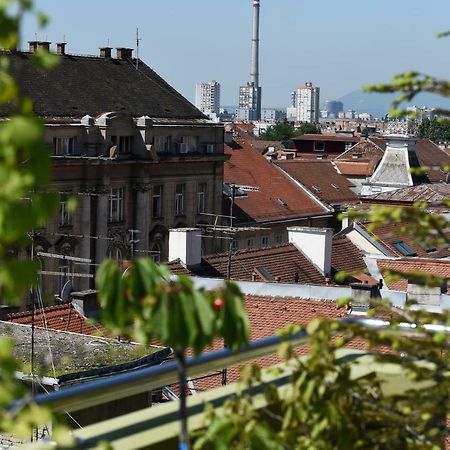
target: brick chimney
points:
(185, 244)
(44, 45)
(315, 244)
(105, 52)
(33, 45)
(124, 53)
(61, 48)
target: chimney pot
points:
(105, 52)
(44, 45)
(33, 45)
(61, 48)
(124, 53)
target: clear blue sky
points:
(338, 45)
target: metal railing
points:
(143, 380)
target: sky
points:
(337, 45)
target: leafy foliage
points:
(330, 406)
(437, 130)
(146, 303)
(284, 131)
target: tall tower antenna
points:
(137, 48)
(254, 74)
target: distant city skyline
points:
(339, 48)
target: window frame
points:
(116, 204)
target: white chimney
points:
(185, 244)
(315, 244)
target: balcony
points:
(157, 427)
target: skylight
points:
(404, 249)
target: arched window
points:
(156, 252)
(115, 252)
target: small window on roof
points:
(315, 188)
(404, 249)
(335, 186)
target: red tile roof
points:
(277, 199)
(326, 137)
(438, 268)
(355, 168)
(390, 233)
(60, 317)
(321, 179)
(434, 158)
(360, 160)
(283, 261)
(347, 257)
(267, 315)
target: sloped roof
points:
(321, 179)
(430, 156)
(82, 85)
(439, 268)
(346, 256)
(277, 197)
(390, 233)
(360, 160)
(326, 137)
(433, 158)
(434, 194)
(59, 317)
(283, 261)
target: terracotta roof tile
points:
(388, 234)
(60, 317)
(438, 268)
(321, 179)
(283, 261)
(278, 198)
(346, 256)
(326, 137)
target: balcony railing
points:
(156, 426)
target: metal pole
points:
(181, 366)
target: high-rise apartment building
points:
(307, 99)
(207, 98)
(249, 102)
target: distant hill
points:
(378, 104)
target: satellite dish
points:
(65, 291)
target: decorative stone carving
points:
(102, 190)
(142, 187)
(402, 128)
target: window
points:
(319, 146)
(64, 213)
(250, 242)
(157, 201)
(235, 245)
(265, 240)
(63, 146)
(201, 198)
(156, 253)
(404, 249)
(278, 238)
(179, 200)
(188, 144)
(115, 253)
(116, 204)
(124, 143)
(162, 143)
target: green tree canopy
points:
(284, 131)
(438, 130)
